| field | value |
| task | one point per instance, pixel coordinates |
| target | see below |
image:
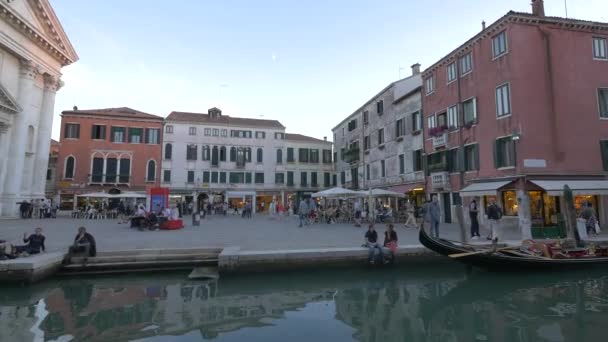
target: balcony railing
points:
(98, 178)
(352, 155)
(440, 180)
(440, 140)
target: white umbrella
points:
(96, 195)
(335, 192)
(129, 195)
(380, 193)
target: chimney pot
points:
(416, 69)
(538, 8)
(483, 25)
(75, 108)
(325, 138)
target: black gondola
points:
(503, 261)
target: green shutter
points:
(461, 165)
(604, 153)
(496, 155)
(476, 154)
(514, 149)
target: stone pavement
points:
(259, 233)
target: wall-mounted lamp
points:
(516, 136)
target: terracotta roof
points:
(304, 138)
(120, 112)
(224, 120)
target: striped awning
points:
(579, 187)
(483, 189)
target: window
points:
(303, 155)
(429, 85)
(326, 156)
(313, 179)
(49, 174)
(499, 44)
(343, 132)
(124, 172)
(342, 153)
(503, 100)
(279, 136)
(98, 132)
(191, 152)
(416, 122)
(224, 132)
(279, 156)
(290, 156)
(380, 107)
(215, 156)
(223, 153)
(135, 135)
(366, 144)
(192, 131)
(259, 178)
(314, 156)
(152, 136)
(365, 118)
(453, 117)
(326, 179)
(248, 178)
(241, 158)
(214, 177)
(72, 131)
(303, 179)
(466, 64)
(334, 180)
(471, 157)
(237, 177)
(151, 174)
(206, 131)
(599, 48)
(166, 176)
(431, 121)
(602, 97)
(400, 128)
(206, 153)
(504, 152)
(260, 135)
(169, 129)
(401, 164)
(352, 125)
(190, 176)
(206, 176)
(233, 154)
(68, 172)
(118, 134)
(442, 119)
(216, 132)
(417, 155)
(603, 151)
(367, 172)
(111, 170)
(453, 164)
(260, 155)
(290, 178)
(223, 177)
(382, 168)
(381, 136)
(335, 157)
(342, 178)
(451, 72)
(279, 178)
(470, 111)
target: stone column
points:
(16, 154)
(45, 126)
(4, 145)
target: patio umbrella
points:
(95, 195)
(129, 195)
(335, 192)
(380, 193)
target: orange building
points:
(111, 150)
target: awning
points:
(579, 187)
(483, 189)
(404, 188)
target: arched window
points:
(151, 174)
(248, 154)
(206, 153)
(233, 154)
(68, 172)
(223, 153)
(168, 151)
(279, 156)
(215, 156)
(260, 155)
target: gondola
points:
(503, 260)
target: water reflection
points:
(439, 304)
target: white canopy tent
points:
(336, 193)
(380, 193)
(129, 195)
(96, 195)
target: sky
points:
(308, 64)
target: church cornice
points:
(61, 49)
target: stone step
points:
(139, 258)
(138, 265)
(157, 251)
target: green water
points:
(434, 302)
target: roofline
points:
(517, 17)
(373, 98)
(103, 116)
(233, 117)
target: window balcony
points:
(103, 179)
(351, 156)
(440, 180)
(440, 140)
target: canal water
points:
(435, 302)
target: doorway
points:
(447, 207)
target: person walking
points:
(433, 212)
(473, 212)
(303, 213)
(357, 213)
(494, 213)
(411, 219)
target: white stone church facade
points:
(33, 49)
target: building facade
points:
(215, 158)
(50, 188)
(518, 111)
(110, 150)
(380, 144)
(33, 49)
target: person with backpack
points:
(494, 213)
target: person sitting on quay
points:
(84, 244)
(390, 241)
(139, 218)
(6, 250)
(371, 242)
(35, 244)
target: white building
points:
(380, 145)
(220, 158)
(33, 49)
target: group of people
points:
(83, 244)
(384, 253)
(39, 208)
(154, 218)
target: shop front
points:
(265, 198)
(238, 199)
(413, 192)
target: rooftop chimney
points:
(416, 69)
(538, 8)
(325, 138)
(483, 25)
(75, 108)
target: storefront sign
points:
(535, 163)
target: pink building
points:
(523, 105)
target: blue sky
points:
(308, 64)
